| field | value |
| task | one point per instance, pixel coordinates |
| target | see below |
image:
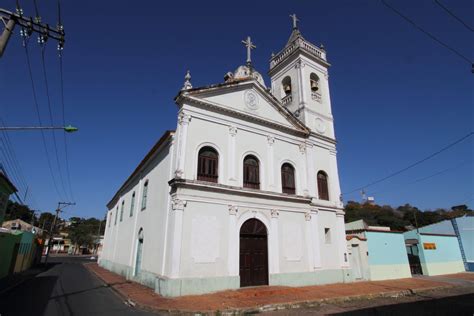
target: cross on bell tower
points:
(248, 43)
(295, 20)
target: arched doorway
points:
(253, 253)
(138, 260)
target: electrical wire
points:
(442, 6)
(35, 99)
(61, 77)
(412, 165)
(426, 177)
(45, 77)
(428, 34)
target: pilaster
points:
(232, 163)
(233, 263)
(275, 253)
(271, 168)
(183, 122)
(177, 207)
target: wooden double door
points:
(253, 253)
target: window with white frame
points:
(144, 195)
(132, 204)
(327, 235)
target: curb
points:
(269, 307)
(119, 293)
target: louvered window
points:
(208, 165)
(288, 178)
(251, 173)
(323, 190)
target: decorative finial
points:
(295, 20)
(248, 43)
(187, 81)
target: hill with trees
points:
(402, 218)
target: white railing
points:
(287, 99)
(319, 53)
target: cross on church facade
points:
(295, 20)
(248, 43)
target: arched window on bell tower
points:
(314, 82)
(314, 85)
(286, 96)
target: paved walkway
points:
(261, 298)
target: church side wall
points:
(121, 239)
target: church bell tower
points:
(299, 79)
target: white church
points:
(245, 192)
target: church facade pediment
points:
(246, 99)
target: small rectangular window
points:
(110, 218)
(144, 195)
(121, 210)
(116, 215)
(327, 235)
(132, 204)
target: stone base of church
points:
(312, 278)
(193, 286)
(145, 277)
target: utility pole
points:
(28, 25)
(53, 226)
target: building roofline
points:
(152, 151)
(352, 231)
(441, 235)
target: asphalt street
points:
(457, 305)
(67, 288)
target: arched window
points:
(314, 82)
(121, 210)
(286, 85)
(144, 195)
(251, 172)
(132, 204)
(323, 190)
(208, 162)
(288, 179)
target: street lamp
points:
(67, 129)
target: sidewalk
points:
(260, 298)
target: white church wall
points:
(293, 243)
(205, 240)
(329, 244)
(121, 239)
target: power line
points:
(442, 6)
(61, 77)
(35, 99)
(427, 177)
(428, 34)
(45, 77)
(413, 164)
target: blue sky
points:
(397, 96)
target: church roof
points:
(148, 156)
(295, 34)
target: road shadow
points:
(454, 305)
(29, 298)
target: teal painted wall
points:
(386, 248)
(7, 244)
(447, 249)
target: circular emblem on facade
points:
(251, 99)
(320, 126)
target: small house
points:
(433, 253)
(376, 252)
